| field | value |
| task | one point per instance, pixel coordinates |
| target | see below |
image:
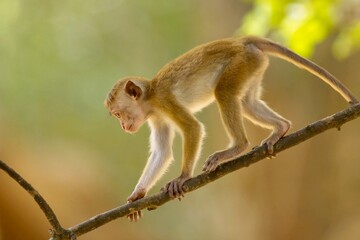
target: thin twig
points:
(154, 201)
(49, 213)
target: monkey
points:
(228, 71)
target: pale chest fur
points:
(197, 90)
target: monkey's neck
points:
(151, 88)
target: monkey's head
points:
(127, 102)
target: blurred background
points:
(58, 60)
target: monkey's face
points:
(128, 105)
(129, 112)
(130, 118)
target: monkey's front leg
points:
(192, 132)
(161, 154)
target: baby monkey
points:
(228, 71)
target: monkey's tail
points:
(277, 50)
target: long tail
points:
(277, 50)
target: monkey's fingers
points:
(181, 196)
(135, 216)
(170, 189)
(166, 188)
(179, 191)
(270, 148)
(205, 166)
(130, 217)
(174, 188)
(210, 165)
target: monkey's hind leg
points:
(258, 112)
(230, 110)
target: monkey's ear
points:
(133, 90)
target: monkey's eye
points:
(117, 115)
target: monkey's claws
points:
(175, 187)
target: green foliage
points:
(302, 24)
(348, 40)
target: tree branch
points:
(49, 213)
(154, 201)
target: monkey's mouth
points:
(129, 128)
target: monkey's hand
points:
(136, 195)
(174, 187)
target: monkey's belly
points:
(197, 91)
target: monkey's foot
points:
(278, 133)
(269, 147)
(174, 187)
(212, 162)
(217, 158)
(270, 142)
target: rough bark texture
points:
(154, 201)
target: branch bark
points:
(154, 201)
